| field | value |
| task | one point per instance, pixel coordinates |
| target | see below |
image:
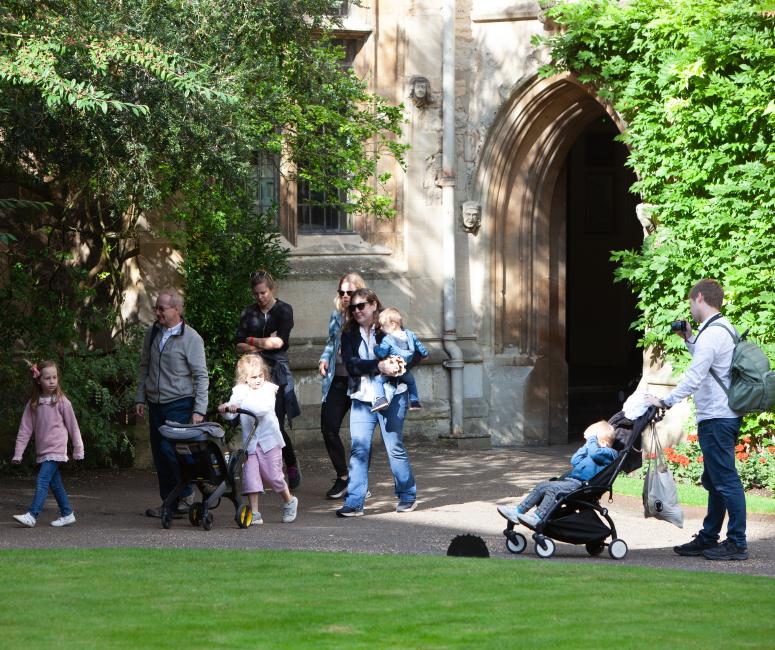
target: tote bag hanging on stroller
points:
(660, 495)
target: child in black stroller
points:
(570, 509)
(204, 460)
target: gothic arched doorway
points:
(525, 183)
(601, 350)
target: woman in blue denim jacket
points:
(336, 402)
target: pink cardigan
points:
(51, 424)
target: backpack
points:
(753, 383)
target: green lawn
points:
(693, 495)
(147, 598)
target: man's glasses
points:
(349, 293)
(161, 308)
(360, 306)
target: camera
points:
(678, 326)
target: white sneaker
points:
(64, 521)
(26, 520)
(289, 510)
(256, 519)
(529, 518)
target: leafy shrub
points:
(692, 79)
(223, 242)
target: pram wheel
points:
(515, 542)
(195, 514)
(244, 517)
(207, 521)
(595, 548)
(617, 549)
(545, 547)
(166, 518)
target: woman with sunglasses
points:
(359, 338)
(265, 329)
(336, 401)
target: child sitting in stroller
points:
(588, 460)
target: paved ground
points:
(457, 493)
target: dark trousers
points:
(164, 457)
(289, 456)
(332, 413)
(726, 496)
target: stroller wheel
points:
(617, 549)
(244, 517)
(207, 521)
(515, 542)
(166, 518)
(545, 547)
(595, 548)
(195, 513)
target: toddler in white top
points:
(263, 456)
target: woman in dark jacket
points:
(265, 329)
(358, 341)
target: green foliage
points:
(39, 320)
(693, 80)
(222, 243)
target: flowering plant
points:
(754, 459)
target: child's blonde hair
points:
(390, 315)
(248, 363)
(600, 430)
(36, 369)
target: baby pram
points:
(578, 517)
(204, 460)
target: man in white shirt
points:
(718, 426)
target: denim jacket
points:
(388, 347)
(331, 351)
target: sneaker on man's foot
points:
(26, 520)
(349, 511)
(294, 477)
(379, 404)
(529, 518)
(510, 512)
(65, 520)
(289, 510)
(256, 521)
(154, 512)
(406, 506)
(727, 550)
(415, 405)
(338, 489)
(694, 548)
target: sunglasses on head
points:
(349, 293)
(359, 306)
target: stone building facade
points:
(540, 199)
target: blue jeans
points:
(718, 438)
(164, 458)
(391, 423)
(48, 475)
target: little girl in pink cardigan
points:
(49, 415)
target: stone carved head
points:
(472, 216)
(420, 92)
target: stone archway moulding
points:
(518, 170)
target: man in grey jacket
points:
(173, 382)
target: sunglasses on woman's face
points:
(359, 306)
(343, 293)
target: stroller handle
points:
(255, 425)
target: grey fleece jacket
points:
(177, 371)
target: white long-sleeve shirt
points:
(261, 402)
(712, 350)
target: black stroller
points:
(204, 460)
(578, 517)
